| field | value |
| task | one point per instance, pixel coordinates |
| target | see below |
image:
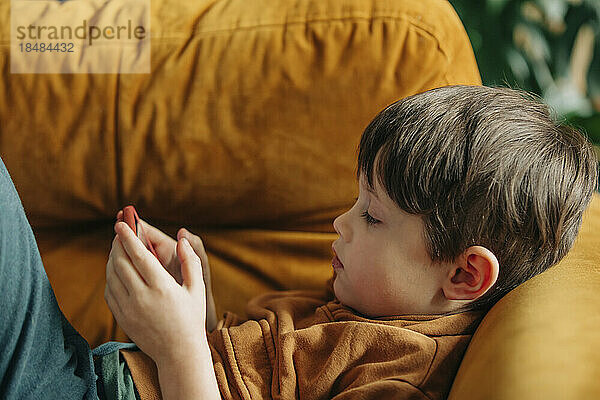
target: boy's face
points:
(386, 269)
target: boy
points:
(464, 193)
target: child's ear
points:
(474, 272)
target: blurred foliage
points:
(549, 47)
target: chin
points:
(336, 291)
(333, 287)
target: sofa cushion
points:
(250, 117)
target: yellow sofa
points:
(245, 132)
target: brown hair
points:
(484, 166)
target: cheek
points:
(368, 274)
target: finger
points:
(196, 243)
(146, 264)
(119, 215)
(114, 281)
(121, 265)
(191, 266)
(198, 247)
(114, 243)
(194, 240)
(112, 304)
(163, 244)
(153, 234)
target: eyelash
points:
(370, 220)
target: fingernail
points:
(186, 243)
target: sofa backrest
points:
(250, 117)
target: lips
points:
(335, 262)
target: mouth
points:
(335, 262)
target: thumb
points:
(194, 240)
(191, 266)
(152, 233)
(198, 247)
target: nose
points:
(341, 226)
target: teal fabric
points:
(115, 376)
(43, 356)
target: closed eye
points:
(370, 220)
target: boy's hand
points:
(166, 320)
(165, 248)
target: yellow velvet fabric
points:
(250, 117)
